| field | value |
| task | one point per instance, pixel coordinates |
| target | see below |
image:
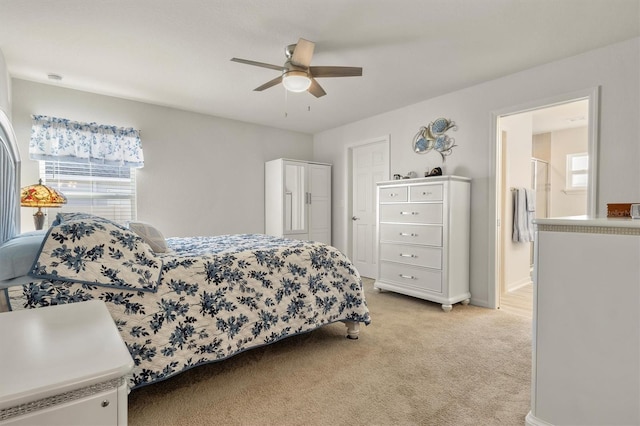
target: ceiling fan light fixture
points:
(296, 81)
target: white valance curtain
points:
(59, 139)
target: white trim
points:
(574, 191)
(494, 196)
(519, 284)
(531, 420)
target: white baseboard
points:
(519, 284)
(531, 420)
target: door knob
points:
(355, 218)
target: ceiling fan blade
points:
(268, 84)
(259, 64)
(303, 52)
(335, 71)
(315, 89)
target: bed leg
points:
(353, 329)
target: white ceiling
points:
(177, 52)
(559, 117)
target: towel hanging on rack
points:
(523, 213)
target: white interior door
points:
(370, 164)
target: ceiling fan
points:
(297, 73)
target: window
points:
(92, 164)
(577, 172)
(104, 190)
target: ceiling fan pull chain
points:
(286, 103)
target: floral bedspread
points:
(215, 296)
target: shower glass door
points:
(541, 186)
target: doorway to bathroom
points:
(547, 152)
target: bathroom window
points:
(577, 172)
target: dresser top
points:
(429, 179)
(50, 350)
(590, 221)
(298, 161)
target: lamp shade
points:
(40, 195)
(296, 81)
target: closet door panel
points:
(298, 200)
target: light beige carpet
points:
(414, 365)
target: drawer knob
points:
(409, 277)
(392, 195)
(404, 234)
(413, 256)
(427, 193)
(411, 213)
(105, 403)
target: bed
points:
(186, 301)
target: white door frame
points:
(495, 195)
(349, 179)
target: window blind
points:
(104, 190)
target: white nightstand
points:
(63, 365)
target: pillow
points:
(67, 216)
(150, 235)
(97, 252)
(18, 254)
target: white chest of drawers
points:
(423, 237)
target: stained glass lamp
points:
(39, 196)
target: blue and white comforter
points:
(206, 300)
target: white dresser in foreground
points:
(423, 236)
(63, 365)
(586, 322)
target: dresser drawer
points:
(70, 412)
(391, 195)
(430, 235)
(426, 192)
(411, 213)
(430, 257)
(411, 276)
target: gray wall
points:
(615, 69)
(203, 175)
(517, 174)
(564, 142)
(5, 94)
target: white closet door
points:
(320, 208)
